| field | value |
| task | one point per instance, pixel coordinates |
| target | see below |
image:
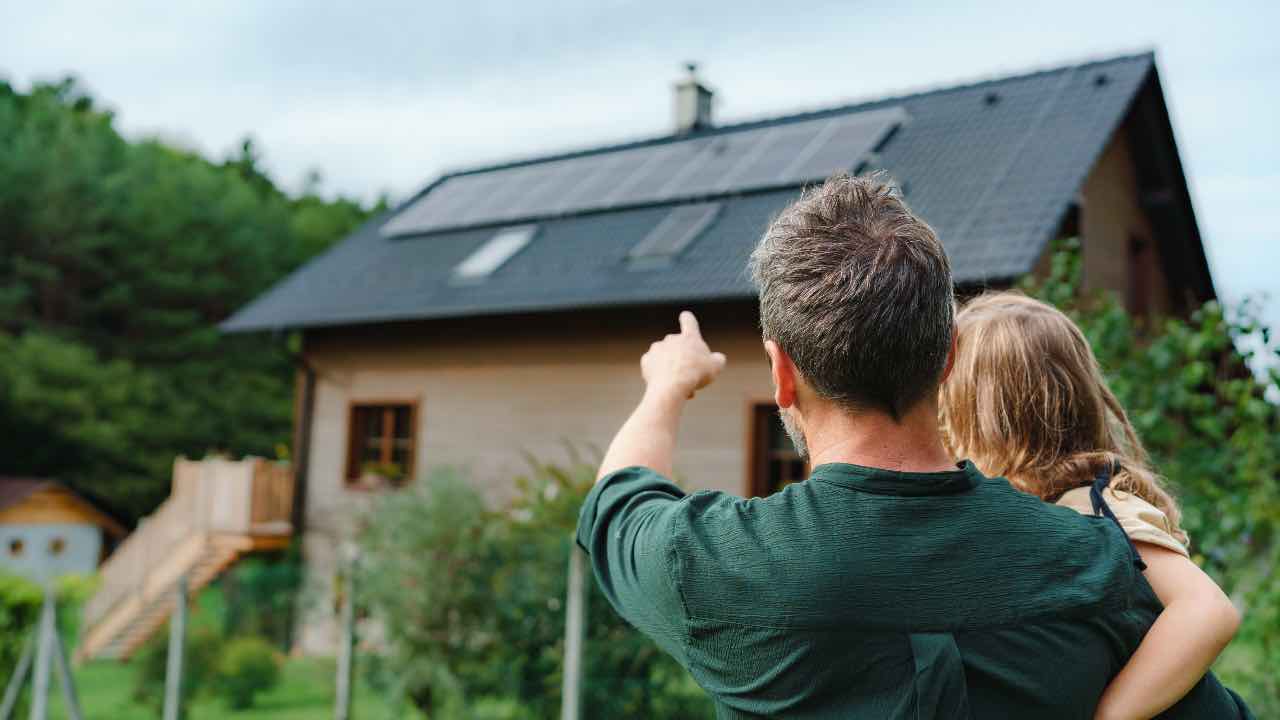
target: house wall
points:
(27, 548)
(1111, 214)
(490, 390)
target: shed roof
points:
(15, 490)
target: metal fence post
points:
(346, 651)
(14, 688)
(575, 630)
(177, 643)
(45, 637)
(69, 697)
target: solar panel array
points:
(771, 156)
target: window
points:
(774, 460)
(15, 547)
(381, 445)
(1141, 262)
(491, 255)
(677, 231)
(57, 545)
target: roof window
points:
(677, 231)
(493, 254)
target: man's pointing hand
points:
(681, 362)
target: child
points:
(1026, 400)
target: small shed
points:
(47, 529)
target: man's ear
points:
(784, 374)
(951, 354)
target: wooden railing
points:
(213, 497)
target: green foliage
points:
(248, 667)
(199, 666)
(260, 593)
(476, 598)
(20, 601)
(117, 260)
(1214, 435)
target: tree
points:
(119, 258)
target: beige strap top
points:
(1141, 521)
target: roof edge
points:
(849, 105)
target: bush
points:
(20, 602)
(1206, 419)
(476, 598)
(248, 666)
(260, 592)
(199, 665)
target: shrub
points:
(20, 602)
(476, 598)
(260, 592)
(1206, 418)
(199, 665)
(248, 666)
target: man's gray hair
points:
(857, 291)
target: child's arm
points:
(1197, 623)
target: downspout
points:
(302, 450)
(298, 512)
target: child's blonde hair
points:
(1026, 400)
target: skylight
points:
(677, 230)
(491, 255)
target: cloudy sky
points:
(382, 96)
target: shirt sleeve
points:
(1140, 520)
(628, 527)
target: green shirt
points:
(866, 593)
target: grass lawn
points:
(305, 692)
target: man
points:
(893, 583)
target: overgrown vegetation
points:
(1205, 418)
(476, 600)
(117, 261)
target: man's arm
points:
(1197, 623)
(674, 369)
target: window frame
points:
(351, 471)
(759, 452)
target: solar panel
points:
(680, 227)
(845, 144)
(662, 164)
(716, 161)
(710, 164)
(600, 172)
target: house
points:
(503, 308)
(48, 530)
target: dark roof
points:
(993, 166)
(15, 490)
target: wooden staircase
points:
(218, 511)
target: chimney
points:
(693, 103)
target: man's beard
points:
(794, 432)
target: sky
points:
(381, 97)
